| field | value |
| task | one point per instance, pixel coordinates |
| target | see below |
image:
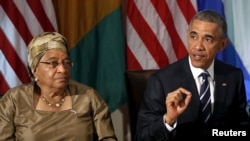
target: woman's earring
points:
(36, 79)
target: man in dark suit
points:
(171, 108)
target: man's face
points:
(204, 40)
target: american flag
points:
(20, 21)
(156, 32)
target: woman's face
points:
(53, 70)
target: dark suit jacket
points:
(229, 106)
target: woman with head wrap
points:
(53, 107)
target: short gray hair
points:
(212, 16)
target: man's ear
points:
(224, 43)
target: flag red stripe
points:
(132, 63)
(3, 84)
(166, 17)
(147, 35)
(17, 18)
(41, 16)
(187, 9)
(13, 59)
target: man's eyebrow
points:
(193, 32)
(209, 36)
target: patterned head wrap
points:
(40, 44)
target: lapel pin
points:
(224, 84)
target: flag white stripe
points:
(10, 76)
(194, 3)
(150, 15)
(29, 17)
(49, 10)
(13, 35)
(138, 47)
(178, 18)
(161, 31)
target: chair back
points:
(136, 82)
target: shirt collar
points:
(197, 71)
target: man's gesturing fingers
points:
(176, 103)
(179, 96)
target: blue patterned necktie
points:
(205, 98)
